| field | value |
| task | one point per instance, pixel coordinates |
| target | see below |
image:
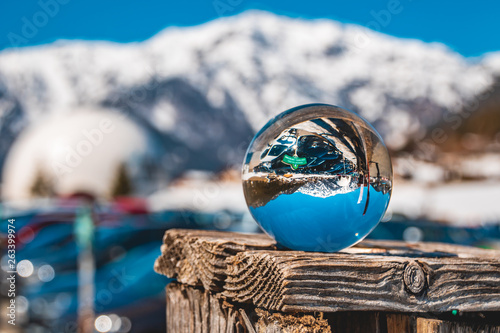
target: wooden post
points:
(230, 282)
(84, 234)
(191, 309)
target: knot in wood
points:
(414, 277)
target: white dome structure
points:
(85, 151)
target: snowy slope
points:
(213, 85)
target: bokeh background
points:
(121, 119)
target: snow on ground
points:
(466, 203)
(462, 166)
(199, 195)
(484, 165)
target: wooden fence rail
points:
(229, 282)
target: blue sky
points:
(470, 28)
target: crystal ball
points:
(317, 178)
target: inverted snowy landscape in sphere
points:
(317, 178)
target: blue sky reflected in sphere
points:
(317, 178)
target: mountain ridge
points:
(242, 70)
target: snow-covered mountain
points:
(205, 90)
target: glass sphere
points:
(317, 178)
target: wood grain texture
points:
(190, 309)
(198, 257)
(194, 310)
(372, 276)
(425, 325)
(398, 323)
(412, 323)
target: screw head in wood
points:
(414, 277)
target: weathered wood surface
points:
(410, 323)
(425, 325)
(198, 257)
(193, 309)
(372, 276)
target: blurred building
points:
(94, 153)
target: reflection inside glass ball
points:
(317, 178)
